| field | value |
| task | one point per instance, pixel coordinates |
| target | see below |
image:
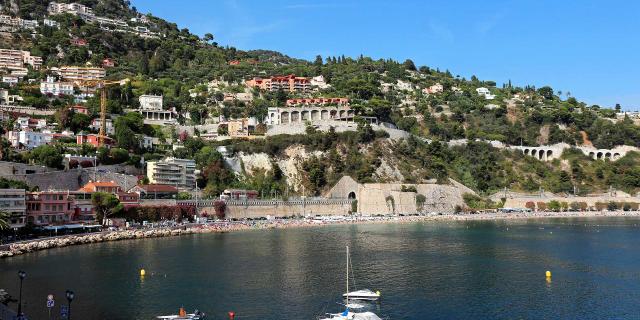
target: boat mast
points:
(347, 277)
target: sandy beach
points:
(228, 226)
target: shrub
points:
(73, 164)
(541, 206)
(554, 205)
(530, 205)
(420, 200)
(86, 164)
(574, 206)
(220, 208)
(404, 188)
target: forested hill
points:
(178, 64)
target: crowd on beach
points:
(231, 226)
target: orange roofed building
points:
(101, 186)
(289, 83)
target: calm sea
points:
(432, 270)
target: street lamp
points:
(70, 295)
(21, 275)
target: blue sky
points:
(587, 47)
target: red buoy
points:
(232, 315)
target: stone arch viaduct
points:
(551, 152)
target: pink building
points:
(58, 207)
(289, 83)
(80, 109)
(92, 139)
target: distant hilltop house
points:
(16, 60)
(72, 8)
(152, 111)
(399, 85)
(436, 88)
(289, 83)
(106, 24)
(9, 99)
(319, 82)
(486, 93)
(11, 24)
(93, 139)
(79, 42)
(108, 63)
(97, 123)
(80, 109)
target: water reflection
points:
(469, 270)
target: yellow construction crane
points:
(102, 86)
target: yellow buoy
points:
(142, 272)
(548, 274)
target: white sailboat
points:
(347, 314)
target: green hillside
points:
(178, 61)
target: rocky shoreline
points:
(71, 240)
(64, 241)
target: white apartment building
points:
(51, 23)
(147, 142)
(26, 123)
(150, 102)
(72, 8)
(12, 24)
(152, 112)
(53, 87)
(13, 202)
(82, 73)
(180, 173)
(28, 139)
(10, 80)
(109, 128)
(16, 59)
(32, 139)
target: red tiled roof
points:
(89, 187)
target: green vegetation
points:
(4, 220)
(13, 184)
(178, 65)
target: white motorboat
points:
(347, 315)
(183, 315)
(365, 294)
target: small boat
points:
(365, 294)
(347, 314)
(183, 315)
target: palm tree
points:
(4, 220)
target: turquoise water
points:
(432, 270)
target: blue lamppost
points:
(21, 275)
(70, 295)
